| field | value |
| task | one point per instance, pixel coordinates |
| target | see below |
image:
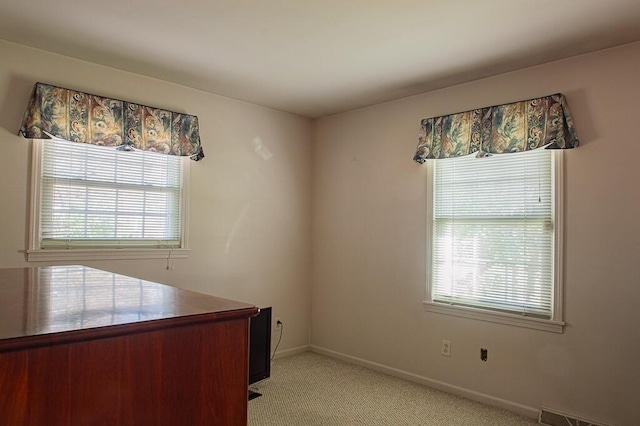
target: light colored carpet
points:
(310, 389)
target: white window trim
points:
(35, 254)
(556, 323)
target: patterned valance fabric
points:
(81, 117)
(515, 127)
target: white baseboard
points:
(292, 351)
(435, 384)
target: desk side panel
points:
(191, 374)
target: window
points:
(91, 202)
(495, 233)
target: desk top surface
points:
(60, 304)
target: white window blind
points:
(94, 197)
(493, 233)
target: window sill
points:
(497, 317)
(104, 254)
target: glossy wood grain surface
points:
(94, 348)
(40, 306)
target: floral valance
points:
(55, 112)
(515, 127)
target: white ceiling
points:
(316, 58)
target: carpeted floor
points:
(310, 389)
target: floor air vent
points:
(556, 418)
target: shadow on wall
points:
(15, 103)
(579, 107)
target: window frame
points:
(555, 323)
(35, 253)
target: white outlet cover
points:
(446, 348)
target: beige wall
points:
(368, 269)
(249, 217)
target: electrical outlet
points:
(484, 354)
(277, 324)
(446, 348)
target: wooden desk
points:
(80, 346)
